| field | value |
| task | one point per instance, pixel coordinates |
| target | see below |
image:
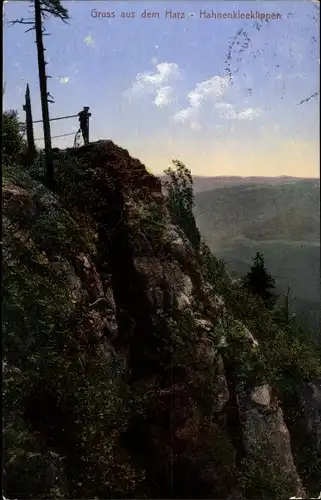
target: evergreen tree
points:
(259, 281)
(180, 200)
(13, 143)
(43, 9)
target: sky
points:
(220, 94)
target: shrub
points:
(13, 145)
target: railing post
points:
(29, 126)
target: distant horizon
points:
(249, 177)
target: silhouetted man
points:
(84, 124)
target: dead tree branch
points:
(309, 98)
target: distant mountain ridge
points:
(288, 211)
(205, 183)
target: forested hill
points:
(283, 222)
(133, 366)
(289, 212)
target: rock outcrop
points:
(310, 401)
(265, 436)
(126, 342)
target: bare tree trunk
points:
(44, 94)
(29, 127)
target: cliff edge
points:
(126, 372)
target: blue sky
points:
(162, 89)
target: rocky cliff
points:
(126, 372)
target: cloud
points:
(249, 114)
(158, 84)
(88, 40)
(213, 88)
(63, 80)
(188, 115)
(228, 112)
(224, 106)
(164, 96)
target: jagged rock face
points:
(150, 283)
(262, 395)
(265, 436)
(25, 233)
(158, 288)
(50, 280)
(133, 293)
(310, 399)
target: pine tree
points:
(259, 281)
